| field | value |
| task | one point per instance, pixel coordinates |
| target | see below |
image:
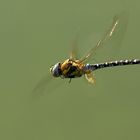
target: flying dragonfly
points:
(73, 68)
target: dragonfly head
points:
(56, 70)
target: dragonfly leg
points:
(70, 80)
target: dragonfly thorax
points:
(72, 68)
(68, 69)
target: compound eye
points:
(55, 70)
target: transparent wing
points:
(40, 87)
(44, 86)
(90, 78)
(113, 36)
(74, 47)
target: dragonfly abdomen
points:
(94, 67)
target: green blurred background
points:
(35, 35)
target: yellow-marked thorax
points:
(72, 68)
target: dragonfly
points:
(74, 68)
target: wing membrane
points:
(74, 48)
(90, 78)
(107, 36)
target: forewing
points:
(45, 85)
(111, 38)
(74, 47)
